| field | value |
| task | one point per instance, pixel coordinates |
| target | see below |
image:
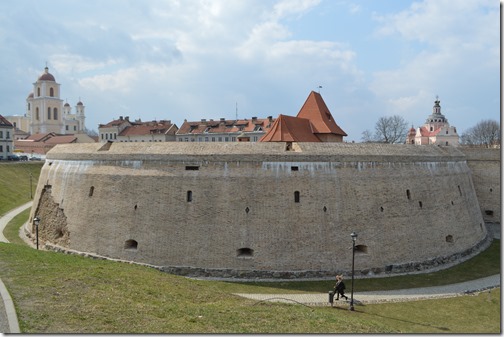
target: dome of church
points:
(46, 76)
(30, 95)
(66, 104)
(80, 103)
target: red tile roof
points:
(4, 121)
(147, 128)
(290, 129)
(319, 115)
(226, 126)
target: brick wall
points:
(409, 204)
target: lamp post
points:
(36, 221)
(354, 238)
(31, 193)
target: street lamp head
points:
(36, 220)
(354, 236)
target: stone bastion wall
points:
(261, 209)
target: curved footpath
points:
(9, 322)
(8, 318)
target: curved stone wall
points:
(245, 209)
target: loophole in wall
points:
(244, 252)
(131, 245)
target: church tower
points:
(45, 107)
(81, 116)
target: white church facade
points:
(45, 111)
(435, 131)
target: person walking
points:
(339, 288)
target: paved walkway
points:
(401, 295)
(9, 322)
(8, 317)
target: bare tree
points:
(485, 133)
(393, 129)
(367, 137)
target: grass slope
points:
(15, 183)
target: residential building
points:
(41, 143)
(224, 130)
(6, 137)
(124, 130)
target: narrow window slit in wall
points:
(247, 210)
(131, 245)
(491, 190)
(192, 168)
(245, 252)
(449, 238)
(420, 204)
(296, 196)
(489, 212)
(362, 249)
(294, 168)
(136, 206)
(189, 196)
(325, 209)
(381, 209)
(408, 194)
(452, 203)
(460, 190)
(91, 191)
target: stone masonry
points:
(266, 209)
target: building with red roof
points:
(6, 137)
(313, 123)
(124, 130)
(435, 131)
(224, 130)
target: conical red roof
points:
(319, 115)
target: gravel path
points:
(401, 295)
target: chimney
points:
(222, 119)
(254, 119)
(270, 118)
(120, 118)
(126, 118)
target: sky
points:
(195, 59)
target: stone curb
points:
(9, 309)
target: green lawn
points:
(15, 183)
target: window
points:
(38, 91)
(180, 140)
(131, 245)
(431, 128)
(48, 113)
(408, 194)
(192, 168)
(206, 139)
(37, 117)
(101, 135)
(226, 139)
(362, 249)
(296, 196)
(245, 252)
(213, 139)
(66, 128)
(1, 134)
(189, 196)
(294, 168)
(449, 238)
(55, 113)
(91, 191)
(1, 148)
(7, 135)
(51, 92)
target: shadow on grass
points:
(441, 328)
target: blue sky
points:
(194, 59)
